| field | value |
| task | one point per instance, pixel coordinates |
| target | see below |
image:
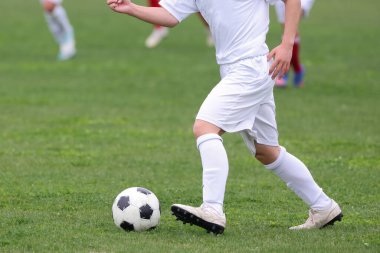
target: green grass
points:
(74, 134)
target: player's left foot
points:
(67, 49)
(282, 82)
(203, 217)
(321, 219)
(299, 78)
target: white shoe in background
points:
(67, 49)
(156, 36)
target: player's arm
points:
(282, 54)
(153, 15)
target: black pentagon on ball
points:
(146, 212)
(143, 190)
(127, 226)
(123, 202)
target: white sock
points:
(215, 170)
(59, 24)
(60, 14)
(54, 27)
(298, 178)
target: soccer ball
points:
(136, 209)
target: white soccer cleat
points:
(203, 217)
(67, 49)
(321, 219)
(156, 36)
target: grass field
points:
(74, 134)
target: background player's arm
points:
(292, 16)
(282, 54)
(153, 15)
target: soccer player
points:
(241, 102)
(299, 69)
(60, 27)
(160, 32)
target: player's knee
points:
(201, 127)
(198, 128)
(49, 6)
(266, 154)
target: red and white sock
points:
(155, 3)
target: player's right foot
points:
(67, 49)
(201, 216)
(282, 82)
(321, 219)
(156, 36)
(299, 78)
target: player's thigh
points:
(202, 127)
(264, 131)
(233, 103)
(265, 125)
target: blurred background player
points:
(160, 32)
(60, 27)
(299, 69)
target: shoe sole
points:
(331, 223)
(192, 219)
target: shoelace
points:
(210, 210)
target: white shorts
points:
(280, 9)
(243, 102)
(52, 1)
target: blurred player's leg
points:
(60, 27)
(299, 71)
(283, 81)
(280, 12)
(67, 46)
(54, 27)
(209, 39)
(158, 33)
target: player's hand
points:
(122, 6)
(281, 56)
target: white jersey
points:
(238, 27)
